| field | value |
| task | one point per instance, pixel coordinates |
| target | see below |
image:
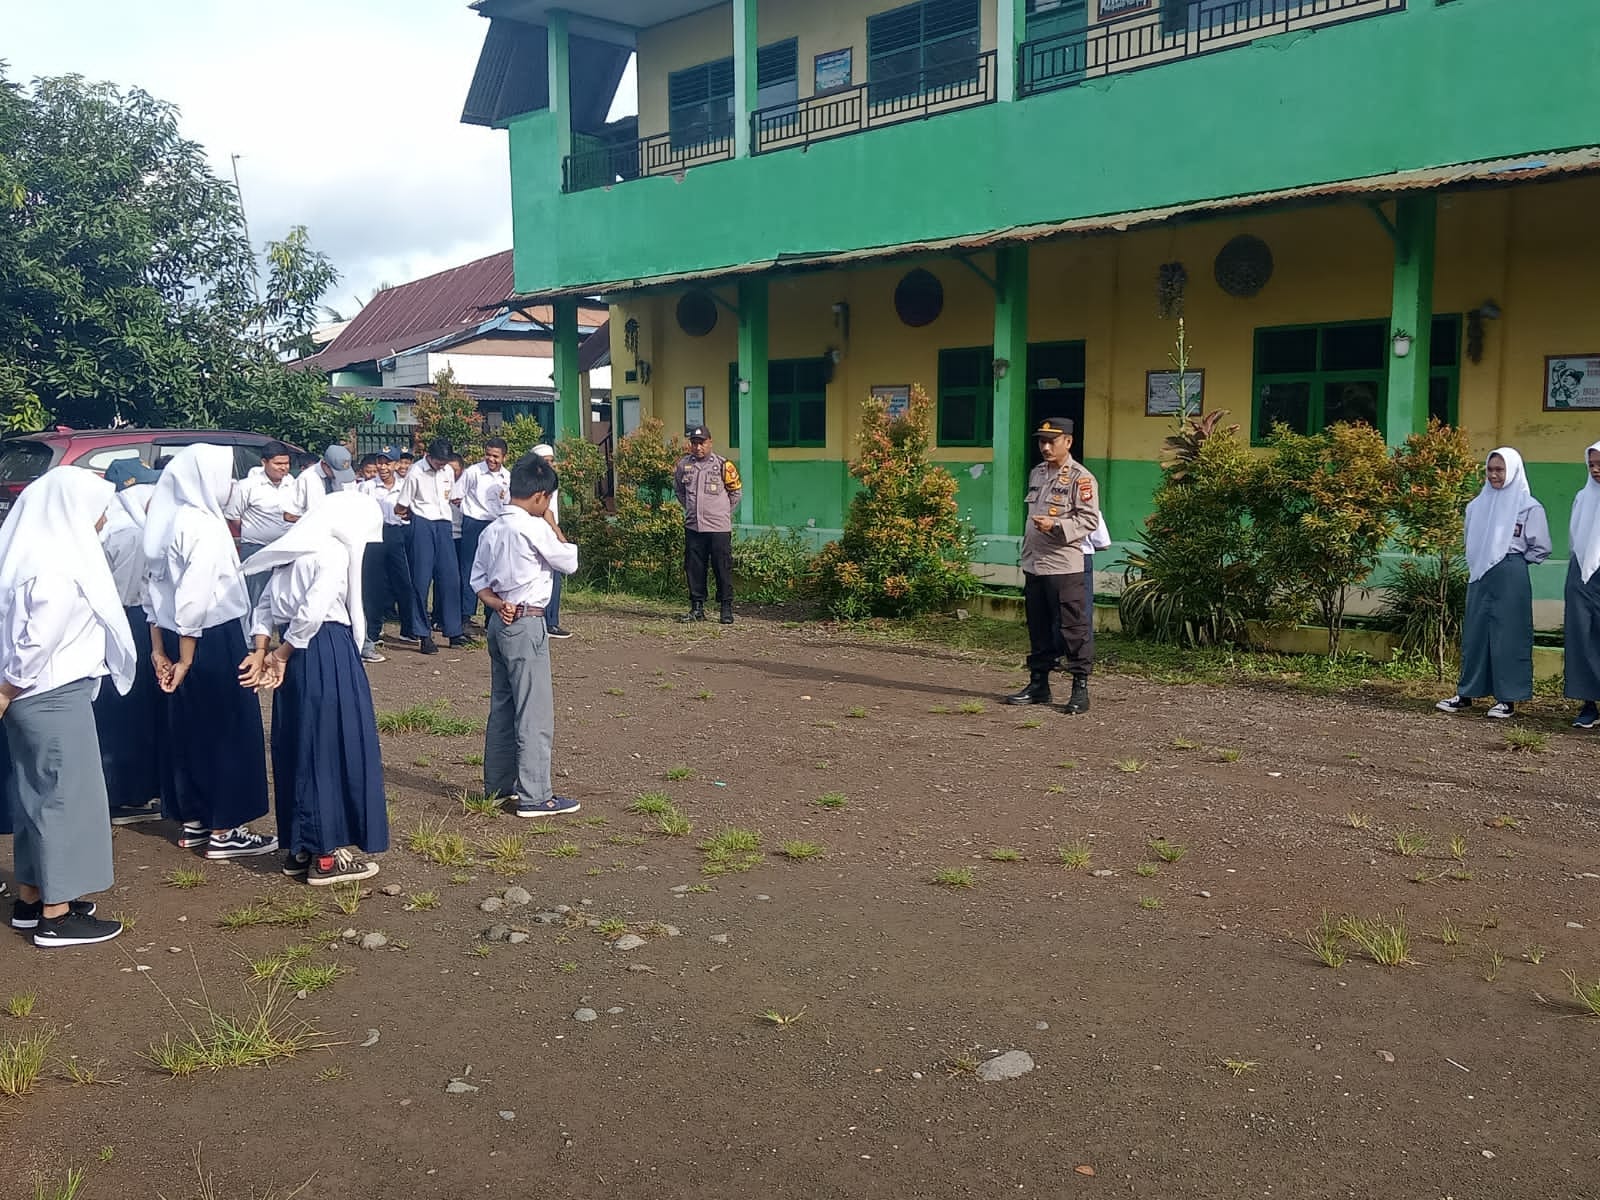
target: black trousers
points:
(1058, 623)
(386, 582)
(698, 549)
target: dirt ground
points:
(1460, 1075)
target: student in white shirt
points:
(329, 474)
(326, 764)
(130, 726)
(263, 503)
(480, 496)
(214, 771)
(512, 575)
(458, 466)
(552, 611)
(386, 575)
(62, 630)
(425, 500)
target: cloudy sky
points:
(345, 115)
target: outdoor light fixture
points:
(835, 355)
(1001, 366)
(744, 387)
(1402, 343)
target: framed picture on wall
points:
(1571, 381)
(694, 407)
(833, 70)
(897, 395)
(1161, 393)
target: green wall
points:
(1364, 98)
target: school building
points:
(1363, 209)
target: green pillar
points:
(1010, 390)
(557, 58)
(1011, 29)
(570, 417)
(1406, 410)
(746, 39)
(753, 465)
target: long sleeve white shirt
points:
(483, 493)
(303, 596)
(258, 505)
(52, 637)
(386, 497)
(516, 556)
(202, 586)
(311, 489)
(426, 492)
(123, 541)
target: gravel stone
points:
(518, 896)
(390, 889)
(497, 933)
(720, 939)
(517, 937)
(1010, 1065)
(628, 941)
(492, 904)
(585, 1015)
(374, 941)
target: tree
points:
(449, 411)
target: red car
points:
(28, 456)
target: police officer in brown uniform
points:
(708, 487)
(1063, 509)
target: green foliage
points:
(450, 412)
(905, 548)
(640, 548)
(581, 465)
(771, 567)
(521, 435)
(1425, 612)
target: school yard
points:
(821, 1026)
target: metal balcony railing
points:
(659, 154)
(884, 101)
(1164, 35)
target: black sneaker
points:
(296, 865)
(556, 631)
(134, 813)
(1455, 704)
(1588, 716)
(240, 843)
(727, 614)
(427, 646)
(28, 916)
(458, 643)
(339, 867)
(74, 929)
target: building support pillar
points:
(571, 419)
(1406, 408)
(746, 42)
(558, 59)
(753, 463)
(1011, 435)
(1011, 30)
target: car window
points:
(23, 462)
(99, 460)
(245, 460)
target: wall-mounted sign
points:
(694, 407)
(897, 396)
(833, 71)
(1115, 8)
(1571, 381)
(1161, 393)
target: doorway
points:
(1055, 389)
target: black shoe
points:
(457, 643)
(1588, 716)
(135, 813)
(339, 867)
(1078, 702)
(1037, 691)
(1455, 704)
(74, 929)
(697, 612)
(28, 916)
(427, 646)
(727, 614)
(556, 631)
(296, 865)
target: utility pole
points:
(255, 271)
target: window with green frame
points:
(966, 397)
(797, 403)
(922, 47)
(1311, 376)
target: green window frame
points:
(923, 47)
(797, 403)
(965, 406)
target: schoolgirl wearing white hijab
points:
(1583, 597)
(327, 768)
(214, 769)
(1507, 532)
(130, 726)
(62, 631)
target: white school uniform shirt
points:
(311, 489)
(202, 587)
(258, 505)
(122, 538)
(304, 597)
(51, 636)
(483, 493)
(386, 497)
(516, 556)
(426, 492)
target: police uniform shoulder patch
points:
(730, 476)
(1085, 490)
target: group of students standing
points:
(128, 686)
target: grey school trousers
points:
(522, 718)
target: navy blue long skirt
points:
(6, 788)
(130, 727)
(326, 763)
(214, 770)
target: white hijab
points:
(344, 521)
(51, 531)
(1584, 530)
(134, 502)
(123, 540)
(1493, 515)
(198, 476)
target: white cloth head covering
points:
(51, 531)
(134, 502)
(1585, 527)
(199, 476)
(1493, 514)
(345, 521)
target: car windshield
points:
(23, 462)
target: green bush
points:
(1425, 613)
(521, 434)
(1436, 473)
(905, 549)
(771, 567)
(639, 548)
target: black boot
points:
(727, 613)
(697, 612)
(1037, 691)
(1078, 702)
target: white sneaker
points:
(1454, 705)
(1501, 711)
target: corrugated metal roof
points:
(1500, 172)
(596, 349)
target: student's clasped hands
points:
(260, 671)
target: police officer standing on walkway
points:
(1063, 509)
(708, 486)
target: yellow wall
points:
(820, 26)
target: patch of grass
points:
(798, 851)
(429, 719)
(1145, 870)
(1449, 934)
(272, 965)
(124, 918)
(541, 829)
(955, 877)
(567, 967)
(273, 913)
(565, 850)
(330, 1074)
(674, 824)
(1358, 820)
(1031, 723)
(1074, 855)
(1409, 843)
(678, 772)
(1491, 970)
(1458, 875)
(21, 1005)
(437, 843)
(1586, 994)
(1130, 766)
(1229, 756)
(1067, 765)
(1183, 743)
(506, 855)
(1385, 940)
(1503, 821)
(347, 897)
(67, 1189)
(1149, 903)
(185, 879)
(460, 877)
(704, 695)
(961, 1064)
(421, 902)
(972, 708)
(22, 1061)
(940, 710)
(107, 1153)
(1458, 847)
(615, 691)
(821, 764)
(1239, 1066)
(472, 760)
(1536, 954)
(1005, 854)
(831, 800)
(858, 713)
(260, 1034)
(482, 804)
(780, 1020)
(422, 762)
(1055, 789)
(1327, 943)
(311, 977)
(1527, 741)
(1168, 852)
(91, 1075)
(825, 724)
(730, 851)
(612, 928)
(651, 804)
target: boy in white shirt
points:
(331, 473)
(512, 575)
(480, 496)
(259, 504)
(424, 500)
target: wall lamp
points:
(1001, 366)
(1401, 344)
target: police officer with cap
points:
(1063, 509)
(708, 486)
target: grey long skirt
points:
(1583, 634)
(1497, 636)
(57, 791)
